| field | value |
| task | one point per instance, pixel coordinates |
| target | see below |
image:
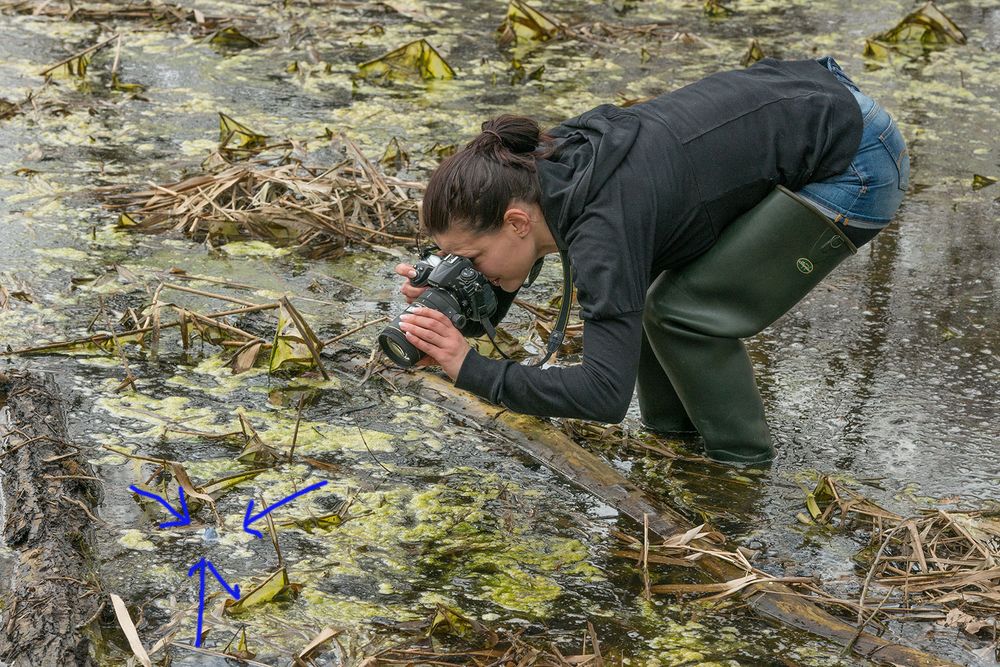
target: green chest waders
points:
(763, 263)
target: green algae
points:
(253, 249)
(136, 540)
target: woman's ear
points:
(518, 218)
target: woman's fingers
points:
(405, 270)
(411, 292)
(428, 329)
(431, 319)
(408, 290)
(431, 332)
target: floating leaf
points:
(716, 9)
(521, 74)
(525, 23)
(323, 637)
(928, 26)
(8, 109)
(245, 357)
(979, 181)
(395, 157)
(233, 132)
(814, 511)
(441, 151)
(210, 333)
(309, 524)
(121, 86)
(417, 57)
(218, 487)
(275, 588)
(74, 67)
(256, 451)
(510, 345)
(753, 54)
(241, 652)
(126, 220)
(184, 481)
(231, 38)
(294, 341)
(875, 50)
(448, 622)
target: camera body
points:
(454, 288)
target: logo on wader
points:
(804, 265)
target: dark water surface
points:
(887, 376)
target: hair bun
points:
(518, 134)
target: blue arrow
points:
(182, 519)
(233, 590)
(248, 519)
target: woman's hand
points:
(434, 334)
(408, 290)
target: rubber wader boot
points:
(661, 409)
(763, 263)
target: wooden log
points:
(50, 601)
(775, 602)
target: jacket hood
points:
(588, 150)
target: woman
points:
(691, 220)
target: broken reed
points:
(938, 560)
(293, 342)
(318, 209)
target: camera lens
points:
(393, 342)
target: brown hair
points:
(474, 186)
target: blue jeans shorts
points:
(863, 198)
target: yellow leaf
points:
(121, 86)
(716, 9)
(927, 25)
(417, 57)
(875, 50)
(525, 23)
(979, 181)
(814, 511)
(276, 587)
(290, 344)
(217, 487)
(395, 156)
(232, 131)
(231, 38)
(753, 54)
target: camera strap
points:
(559, 330)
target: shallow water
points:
(888, 375)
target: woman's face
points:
(504, 256)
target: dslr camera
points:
(454, 288)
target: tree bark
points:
(50, 600)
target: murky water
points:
(888, 375)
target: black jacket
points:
(634, 191)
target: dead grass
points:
(319, 209)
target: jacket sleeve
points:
(600, 388)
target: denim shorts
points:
(863, 198)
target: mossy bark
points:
(50, 601)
